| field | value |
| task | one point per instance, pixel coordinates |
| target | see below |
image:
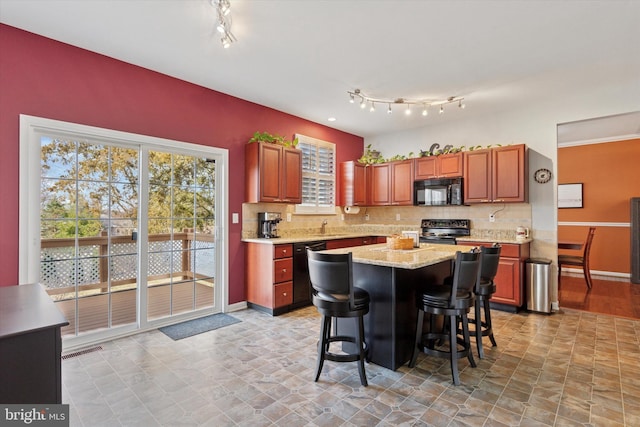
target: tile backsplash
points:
(387, 220)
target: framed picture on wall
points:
(570, 195)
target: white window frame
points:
(306, 209)
(31, 128)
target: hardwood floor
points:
(606, 296)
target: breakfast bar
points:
(391, 277)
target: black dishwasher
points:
(301, 283)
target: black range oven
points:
(444, 231)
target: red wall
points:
(45, 78)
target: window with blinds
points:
(318, 175)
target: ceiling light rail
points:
(223, 25)
(356, 96)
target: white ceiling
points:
(301, 57)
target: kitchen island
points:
(392, 277)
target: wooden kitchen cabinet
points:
(273, 173)
(353, 184)
(509, 279)
(269, 277)
(442, 166)
(495, 175)
(391, 183)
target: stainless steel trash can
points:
(538, 281)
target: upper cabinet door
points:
(270, 172)
(402, 182)
(450, 165)
(426, 167)
(353, 184)
(291, 175)
(509, 174)
(477, 176)
(379, 184)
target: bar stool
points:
(485, 288)
(334, 296)
(453, 302)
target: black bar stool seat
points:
(334, 296)
(454, 303)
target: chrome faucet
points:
(323, 228)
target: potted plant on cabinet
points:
(273, 139)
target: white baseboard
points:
(598, 274)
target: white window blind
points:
(318, 176)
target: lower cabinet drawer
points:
(282, 294)
(282, 270)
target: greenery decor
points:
(273, 139)
(373, 156)
(370, 156)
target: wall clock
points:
(542, 175)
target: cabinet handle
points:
(499, 200)
(284, 251)
(484, 201)
(284, 270)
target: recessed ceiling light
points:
(332, 119)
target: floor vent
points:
(81, 352)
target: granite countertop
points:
(306, 238)
(410, 259)
(494, 239)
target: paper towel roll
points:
(351, 209)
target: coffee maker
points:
(268, 224)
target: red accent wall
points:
(609, 173)
(45, 78)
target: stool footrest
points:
(343, 357)
(432, 337)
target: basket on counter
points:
(399, 242)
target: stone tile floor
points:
(569, 369)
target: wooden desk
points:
(569, 244)
(30, 346)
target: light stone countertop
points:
(307, 238)
(410, 259)
(494, 240)
(335, 236)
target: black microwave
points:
(438, 192)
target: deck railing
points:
(103, 260)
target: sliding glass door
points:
(128, 231)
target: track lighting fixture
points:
(357, 94)
(223, 26)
